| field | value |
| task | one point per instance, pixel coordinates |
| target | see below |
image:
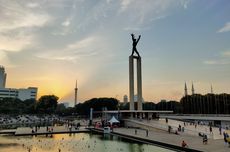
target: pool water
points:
(81, 142)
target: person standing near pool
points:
(184, 144)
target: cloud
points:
(158, 18)
(136, 28)
(226, 28)
(66, 22)
(185, 3)
(141, 12)
(226, 54)
(223, 59)
(122, 13)
(23, 21)
(32, 5)
(86, 47)
(109, 1)
(216, 62)
(132, 29)
(83, 43)
(14, 16)
(18, 25)
(124, 4)
(5, 59)
(15, 42)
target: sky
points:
(50, 44)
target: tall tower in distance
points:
(125, 99)
(193, 91)
(211, 90)
(185, 90)
(75, 97)
(2, 77)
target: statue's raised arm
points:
(133, 37)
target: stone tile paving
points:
(193, 142)
(189, 129)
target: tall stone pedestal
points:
(131, 82)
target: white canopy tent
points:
(113, 120)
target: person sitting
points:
(205, 139)
(201, 134)
(184, 144)
(176, 132)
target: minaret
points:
(193, 89)
(211, 90)
(75, 99)
(185, 90)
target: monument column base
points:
(131, 83)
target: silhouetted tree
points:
(149, 106)
(47, 104)
(97, 104)
(124, 106)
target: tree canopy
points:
(97, 104)
(16, 106)
(47, 104)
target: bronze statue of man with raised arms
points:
(135, 41)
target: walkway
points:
(52, 130)
(164, 137)
(8, 131)
(188, 129)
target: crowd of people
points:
(26, 119)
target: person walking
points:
(225, 138)
(220, 130)
(147, 133)
(169, 129)
(210, 129)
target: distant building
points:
(174, 106)
(205, 104)
(66, 104)
(125, 99)
(22, 93)
(2, 77)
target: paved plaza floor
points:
(194, 142)
(195, 129)
(189, 129)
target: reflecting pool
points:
(81, 142)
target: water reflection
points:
(80, 142)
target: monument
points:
(75, 94)
(132, 58)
